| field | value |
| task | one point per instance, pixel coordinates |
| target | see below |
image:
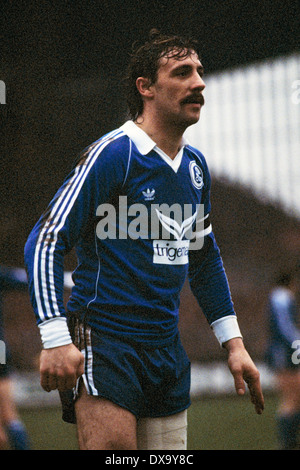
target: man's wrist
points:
(226, 328)
(55, 332)
(234, 344)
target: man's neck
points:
(168, 139)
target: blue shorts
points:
(4, 371)
(149, 382)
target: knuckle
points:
(256, 375)
(43, 369)
(60, 374)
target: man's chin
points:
(192, 119)
(187, 120)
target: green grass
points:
(227, 423)
(230, 423)
(47, 430)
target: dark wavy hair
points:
(145, 62)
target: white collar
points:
(142, 141)
(145, 144)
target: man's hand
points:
(243, 370)
(4, 445)
(60, 367)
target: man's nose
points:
(198, 82)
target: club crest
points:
(196, 175)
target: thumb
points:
(240, 390)
(239, 383)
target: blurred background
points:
(61, 68)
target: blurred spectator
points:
(283, 355)
(13, 434)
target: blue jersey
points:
(111, 208)
(283, 317)
(11, 279)
(283, 329)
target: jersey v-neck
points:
(145, 144)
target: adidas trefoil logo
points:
(149, 194)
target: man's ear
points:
(144, 86)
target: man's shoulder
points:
(115, 140)
(113, 146)
(198, 155)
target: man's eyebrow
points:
(183, 67)
(200, 70)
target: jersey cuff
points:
(226, 328)
(55, 332)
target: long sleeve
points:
(209, 285)
(208, 279)
(51, 239)
(209, 282)
(69, 218)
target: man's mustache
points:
(194, 98)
